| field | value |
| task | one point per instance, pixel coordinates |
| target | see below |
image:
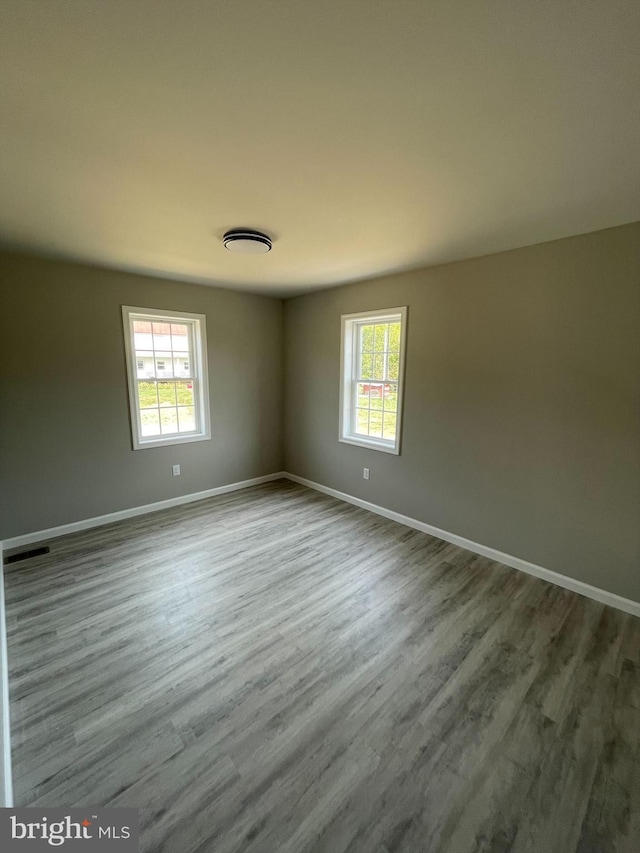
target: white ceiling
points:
(364, 135)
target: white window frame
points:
(200, 378)
(349, 377)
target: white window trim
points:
(197, 357)
(348, 361)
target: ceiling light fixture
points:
(247, 242)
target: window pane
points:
(168, 421)
(150, 422)
(394, 336)
(389, 426)
(394, 364)
(378, 366)
(362, 421)
(366, 366)
(167, 393)
(184, 392)
(375, 395)
(179, 337)
(362, 394)
(164, 367)
(142, 337)
(391, 398)
(147, 394)
(375, 424)
(186, 418)
(148, 368)
(380, 335)
(366, 338)
(162, 338)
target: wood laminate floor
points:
(274, 671)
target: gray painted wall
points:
(522, 402)
(64, 418)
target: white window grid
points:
(361, 377)
(354, 376)
(155, 353)
(164, 376)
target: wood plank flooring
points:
(274, 671)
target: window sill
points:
(371, 444)
(168, 440)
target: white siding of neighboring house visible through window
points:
(171, 355)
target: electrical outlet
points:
(365, 473)
(175, 469)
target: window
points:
(164, 409)
(372, 363)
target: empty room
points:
(320, 426)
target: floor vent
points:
(25, 555)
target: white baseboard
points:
(120, 515)
(594, 592)
(6, 784)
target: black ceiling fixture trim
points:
(247, 240)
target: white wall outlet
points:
(365, 473)
(175, 469)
